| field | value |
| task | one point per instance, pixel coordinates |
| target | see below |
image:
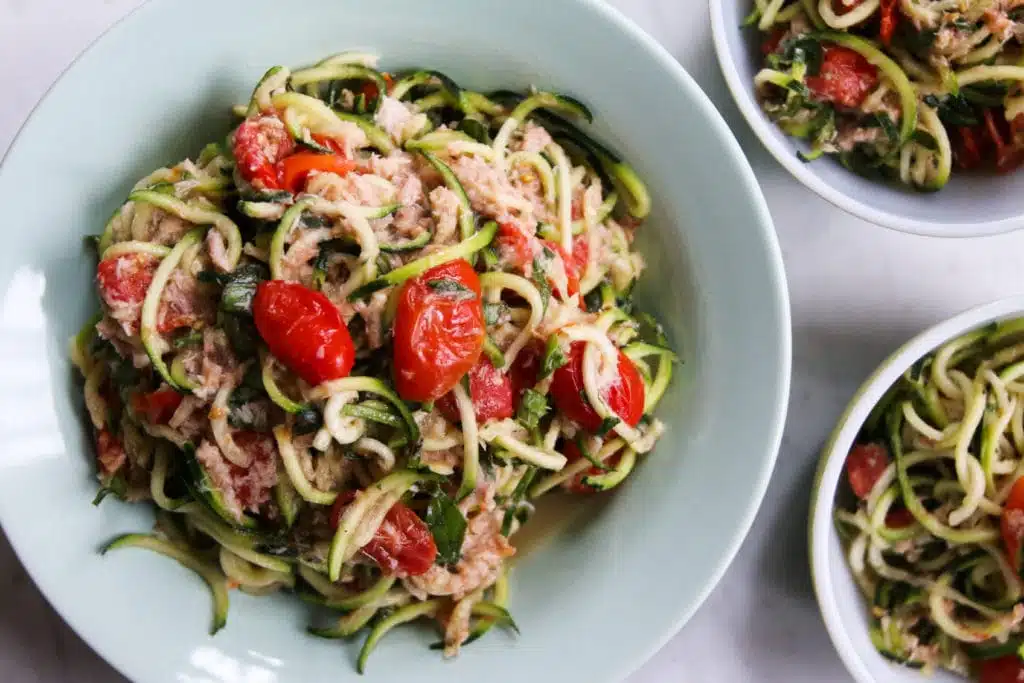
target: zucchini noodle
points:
(249, 371)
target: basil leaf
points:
(452, 289)
(541, 262)
(803, 49)
(241, 333)
(240, 288)
(448, 526)
(532, 407)
(953, 110)
(925, 139)
(307, 421)
(212, 277)
(554, 357)
(607, 424)
(882, 120)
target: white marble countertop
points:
(857, 292)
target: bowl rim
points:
(780, 295)
(785, 154)
(821, 531)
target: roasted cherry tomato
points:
(1008, 669)
(575, 263)
(1012, 523)
(890, 17)
(125, 279)
(303, 330)
(1009, 154)
(156, 407)
(864, 466)
(525, 369)
(898, 518)
(772, 42)
(514, 246)
(260, 143)
(369, 89)
(295, 168)
(625, 396)
(109, 452)
(967, 148)
(439, 330)
(402, 546)
(845, 77)
(490, 391)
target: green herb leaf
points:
(607, 424)
(448, 526)
(918, 43)
(953, 110)
(240, 288)
(532, 407)
(541, 263)
(212, 277)
(554, 357)
(882, 120)
(803, 50)
(451, 288)
(241, 333)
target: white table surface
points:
(857, 292)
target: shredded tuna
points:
(183, 303)
(241, 488)
(532, 138)
(491, 193)
(126, 345)
(296, 264)
(444, 205)
(218, 250)
(214, 364)
(372, 313)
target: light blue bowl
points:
(604, 592)
(969, 206)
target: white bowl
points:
(842, 605)
(971, 205)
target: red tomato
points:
(525, 369)
(515, 247)
(369, 88)
(259, 144)
(303, 330)
(295, 169)
(967, 148)
(1009, 155)
(1008, 669)
(625, 397)
(772, 42)
(890, 17)
(402, 546)
(439, 330)
(845, 77)
(865, 465)
(124, 279)
(490, 390)
(898, 518)
(574, 264)
(156, 407)
(572, 453)
(109, 452)
(1012, 523)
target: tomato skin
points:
(845, 77)
(1011, 524)
(1007, 669)
(899, 518)
(967, 148)
(864, 466)
(402, 546)
(156, 407)
(1009, 156)
(525, 369)
(625, 397)
(890, 17)
(124, 279)
(772, 42)
(490, 391)
(575, 263)
(110, 453)
(516, 248)
(294, 170)
(439, 335)
(259, 143)
(303, 330)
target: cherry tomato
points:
(295, 168)
(1007, 669)
(525, 369)
(259, 144)
(1009, 155)
(890, 17)
(402, 546)
(575, 263)
(439, 330)
(572, 453)
(899, 518)
(967, 148)
(772, 42)
(125, 279)
(490, 391)
(303, 330)
(369, 89)
(109, 452)
(1012, 523)
(864, 466)
(156, 407)
(625, 396)
(515, 247)
(845, 77)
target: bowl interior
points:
(168, 75)
(971, 204)
(842, 605)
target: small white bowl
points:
(970, 205)
(842, 605)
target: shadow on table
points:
(36, 643)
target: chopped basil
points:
(240, 288)
(241, 333)
(554, 357)
(532, 407)
(451, 288)
(918, 43)
(448, 526)
(541, 262)
(801, 50)
(985, 94)
(883, 121)
(323, 257)
(953, 110)
(607, 424)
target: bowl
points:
(602, 593)
(842, 605)
(970, 205)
